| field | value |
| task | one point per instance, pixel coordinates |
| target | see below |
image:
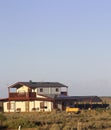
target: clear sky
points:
(67, 41)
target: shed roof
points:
(31, 84)
(80, 98)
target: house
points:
(33, 96)
(45, 96)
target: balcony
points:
(25, 95)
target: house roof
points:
(26, 99)
(80, 98)
(31, 84)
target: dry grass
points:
(88, 120)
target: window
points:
(41, 89)
(41, 104)
(57, 89)
(10, 106)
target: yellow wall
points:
(32, 104)
(22, 89)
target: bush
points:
(91, 120)
(2, 118)
(55, 127)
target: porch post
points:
(9, 98)
(67, 91)
(8, 92)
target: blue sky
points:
(66, 41)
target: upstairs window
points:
(41, 89)
(57, 89)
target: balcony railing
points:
(22, 95)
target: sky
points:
(66, 41)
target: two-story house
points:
(33, 96)
(45, 96)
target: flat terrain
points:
(86, 120)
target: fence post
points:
(19, 128)
(79, 126)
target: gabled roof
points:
(31, 84)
